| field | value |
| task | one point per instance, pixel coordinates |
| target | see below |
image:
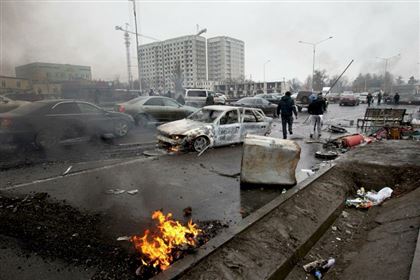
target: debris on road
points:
(325, 154)
(123, 238)
(369, 199)
(133, 192)
(115, 191)
(67, 170)
(187, 211)
(308, 171)
(318, 268)
(271, 161)
(337, 129)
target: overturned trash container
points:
(269, 161)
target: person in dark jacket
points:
(396, 98)
(210, 100)
(286, 109)
(379, 98)
(369, 98)
(316, 111)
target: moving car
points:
(363, 97)
(333, 97)
(48, 123)
(146, 109)
(273, 98)
(348, 99)
(258, 102)
(7, 104)
(213, 126)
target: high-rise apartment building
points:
(226, 59)
(178, 60)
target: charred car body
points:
(213, 126)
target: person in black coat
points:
(286, 109)
(316, 110)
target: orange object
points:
(353, 140)
(395, 133)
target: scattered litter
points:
(115, 191)
(334, 228)
(67, 170)
(319, 267)
(75, 234)
(187, 211)
(283, 191)
(337, 129)
(308, 171)
(326, 154)
(379, 197)
(348, 232)
(123, 238)
(338, 238)
(369, 199)
(133, 192)
(345, 214)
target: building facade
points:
(14, 85)
(226, 59)
(250, 88)
(53, 72)
(173, 64)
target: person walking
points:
(379, 98)
(369, 98)
(316, 111)
(286, 109)
(396, 98)
(209, 99)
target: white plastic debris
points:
(379, 197)
(133, 192)
(115, 191)
(123, 238)
(308, 171)
(67, 170)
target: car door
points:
(97, 120)
(154, 108)
(228, 129)
(252, 123)
(65, 120)
(173, 110)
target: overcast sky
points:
(82, 32)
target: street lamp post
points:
(313, 59)
(137, 43)
(386, 59)
(265, 84)
(199, 32)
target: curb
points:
(415, 265)
(179, 268)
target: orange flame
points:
(158, 248)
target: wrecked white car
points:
(213, 126)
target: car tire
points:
(142, 120)
(47, 139)
(121, 128)
(200, 143)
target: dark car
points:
(158, 109)
(48, 123)
(268, 108)
(302, 99)
(349, 99)
(273, 98)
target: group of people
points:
(369, 98)
(287, 108)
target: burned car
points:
(213, 126)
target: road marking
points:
(77, 173)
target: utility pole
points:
(127, 46)
(386, 59)
(137, 44)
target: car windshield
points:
(247, 100)
(205, 115)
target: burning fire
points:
(171, 234)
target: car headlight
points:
(178, 137)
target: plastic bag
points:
(379, 197)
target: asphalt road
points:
(209, 184)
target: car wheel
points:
(121, 128)
(200, 143)
(47, 139)
(142, 120)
